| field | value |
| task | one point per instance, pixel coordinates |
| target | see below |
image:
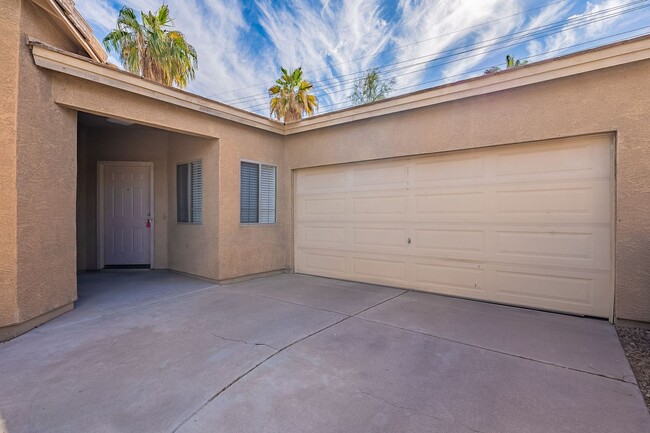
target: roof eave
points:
(619, 53)
(57, 60)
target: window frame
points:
(189, 191)
(259, 192)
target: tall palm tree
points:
(151, 48)
(291, 97)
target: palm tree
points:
(370, 88)
(510, 63)
(291, 97)
(151, 49)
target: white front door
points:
(127, 214)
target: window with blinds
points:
(189, 192)
(258, 195)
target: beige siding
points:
(255, 248)
(46, 158)
(9, 47)
(194, 248)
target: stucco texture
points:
(45, 162)
(247, 249)
(194, 248)
(9, 50)
(606, 100)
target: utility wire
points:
(437, 63)
(405, 46)
(538, 31)
(463, 74)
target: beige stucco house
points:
(528, 187)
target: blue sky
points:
(419, 43)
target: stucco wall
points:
(194, 248)
(613, 99)
(250, 248)
(119, 144)
(236, 243)
(45, 169)
(9, 43)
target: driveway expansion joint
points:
(552, 364)
(246, 373)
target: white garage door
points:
(522, 224)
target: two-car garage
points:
(526, 224)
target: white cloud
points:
(98, 13)
(595, 26)
(336, 41)
(326, 41)
(443, 26)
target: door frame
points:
(100, 207)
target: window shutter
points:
(267, 194)
(197, 192)
(249, 193)
(182, 193)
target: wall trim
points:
(607, 56)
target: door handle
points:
(148, 222)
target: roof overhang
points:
(71, 21)
(51, 58)
(620, 53)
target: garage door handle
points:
(409, 240)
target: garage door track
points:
(153, 351)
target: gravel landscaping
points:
(636, 343)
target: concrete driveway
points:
(154, 351)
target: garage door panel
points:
(319, 208)
(448, 239)
(585, 157)
(370, 269)
(325, 263)
(452, 170)
(382, 207)
(368, 237)
(580, 247)
(330, 236)
(569, 291)
(322, 181)
(383, 176)
(580, 201)
(524, 224)
(445, 277)
(449, 204)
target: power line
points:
(537, 32)
(424, 83)
(455, 55)
(406, 45)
